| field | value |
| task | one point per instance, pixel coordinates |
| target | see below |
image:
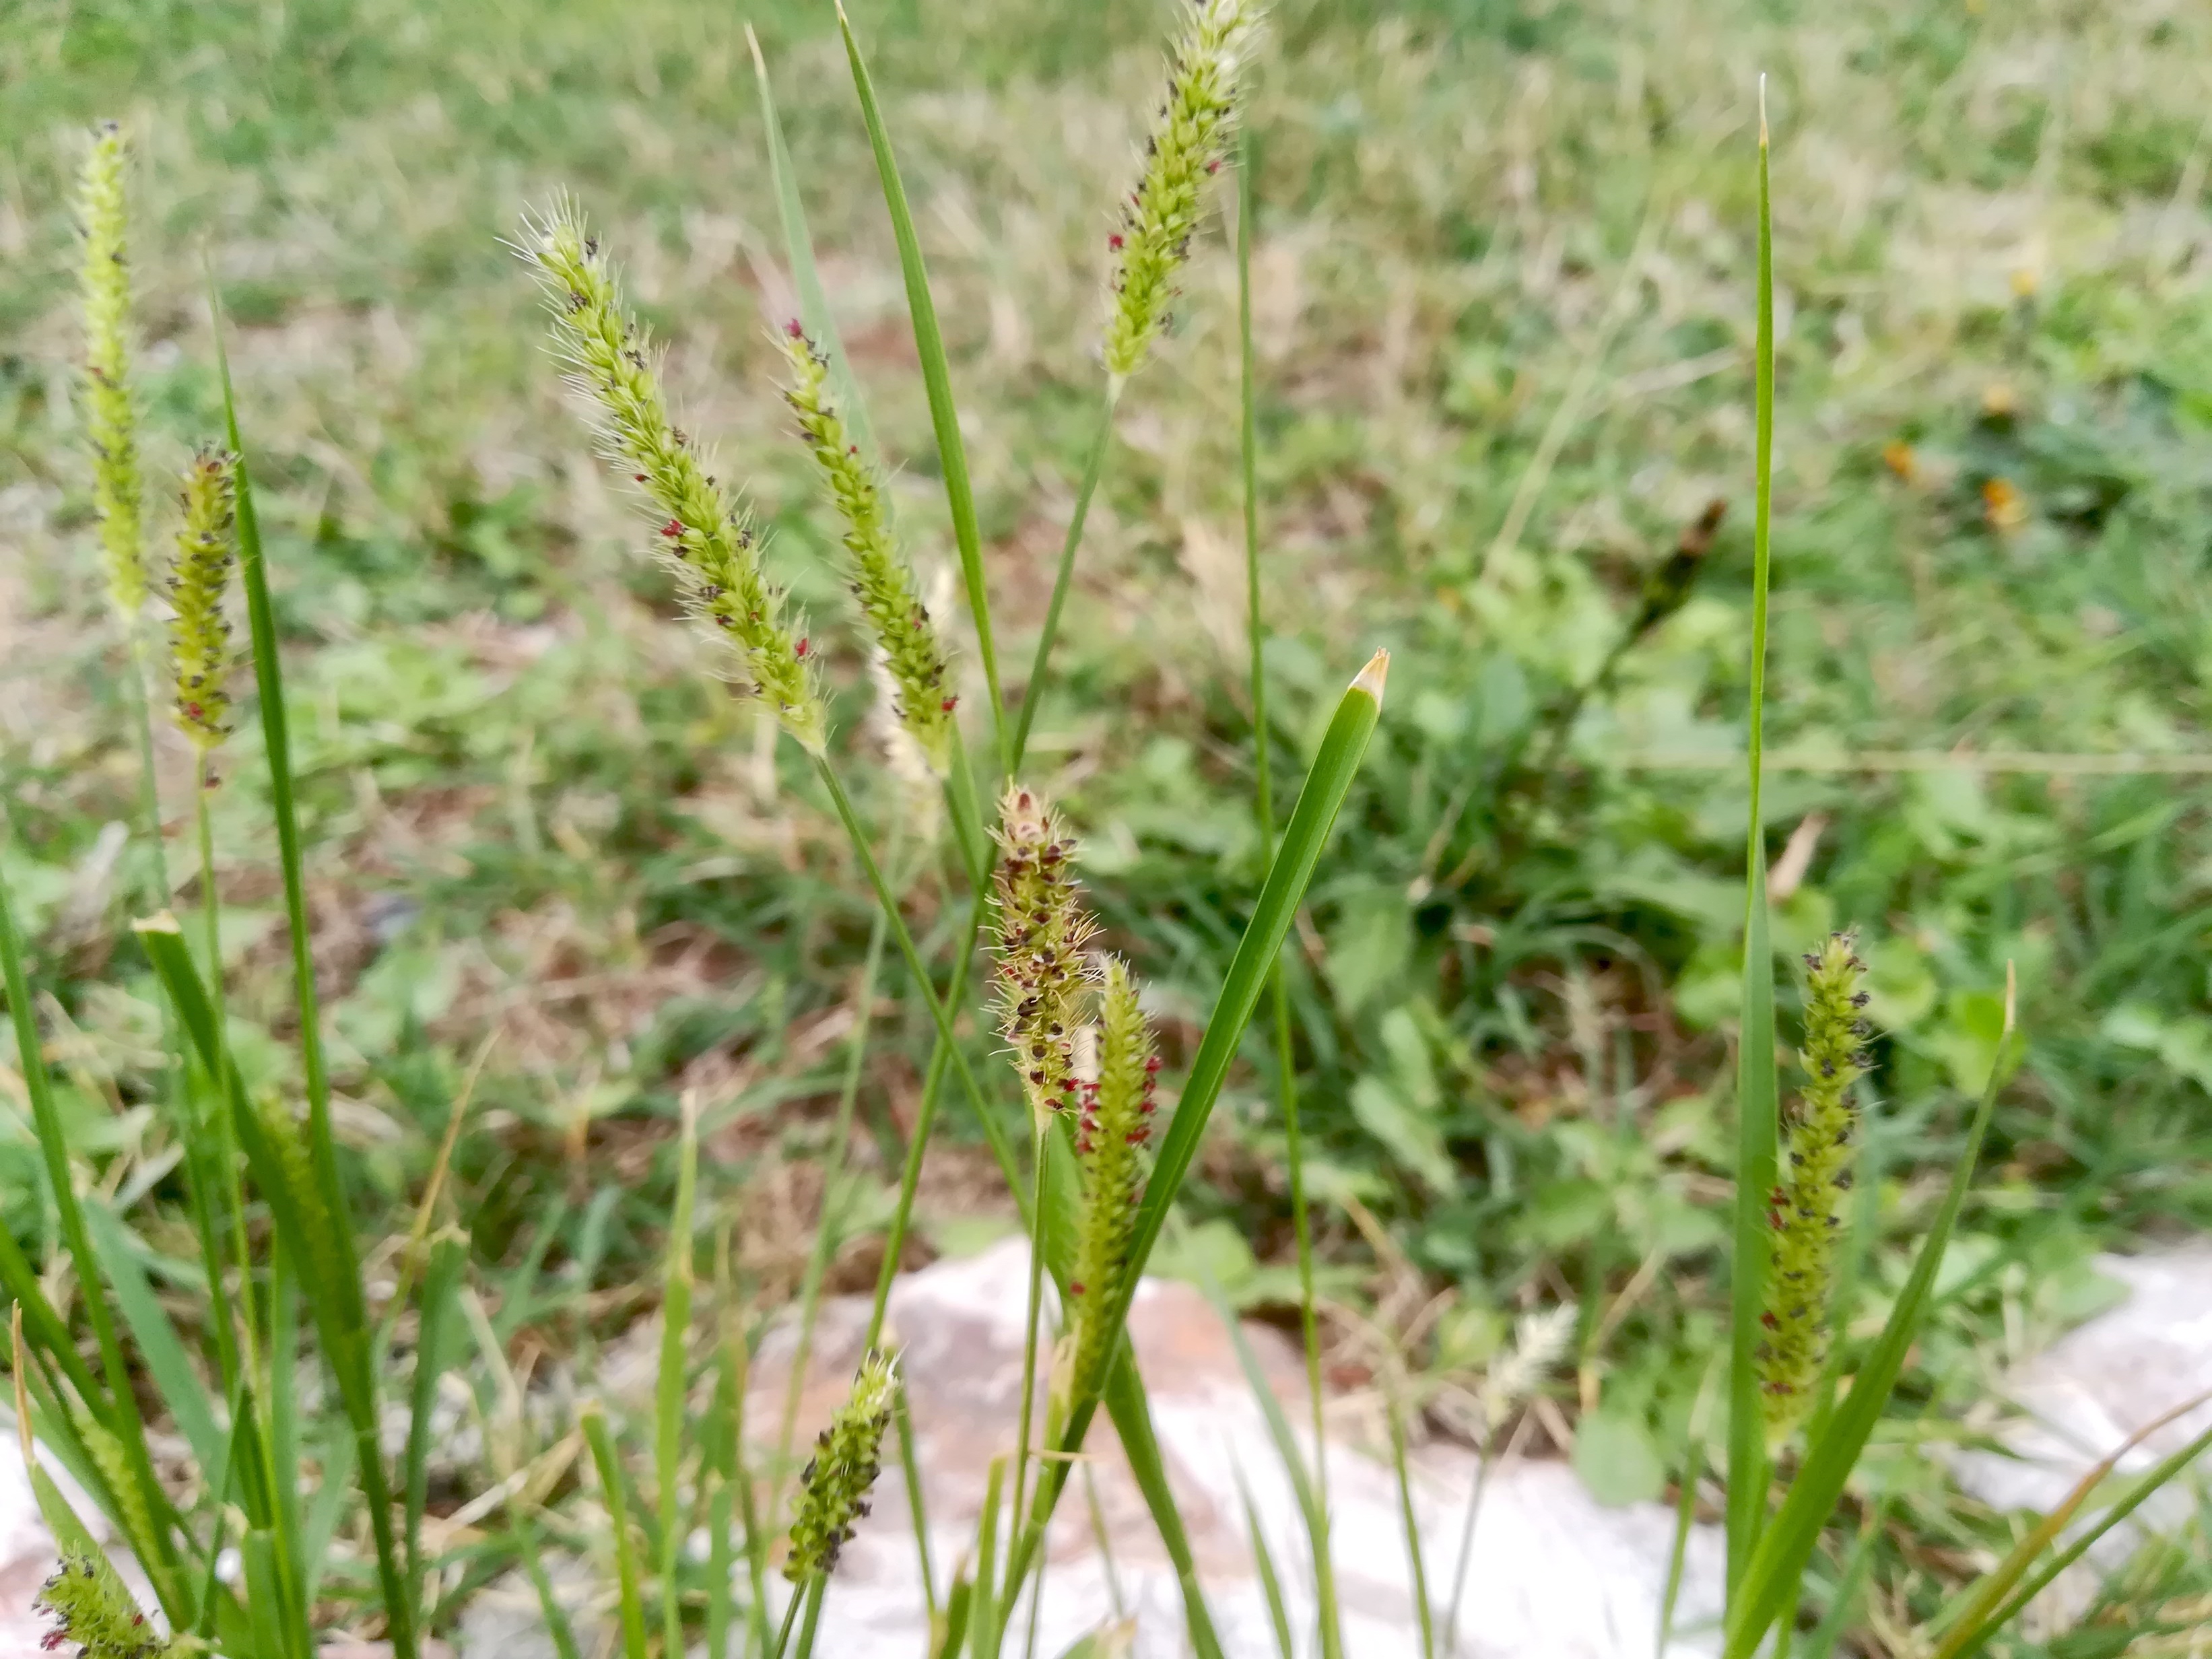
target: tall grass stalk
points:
(1286, 1077)
(1757, 1111)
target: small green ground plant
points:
(1071, 1124)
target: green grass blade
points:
(983, 1610)
(350, 1361)
(949, 1634)
(1094, 463)
(1821, 1644)
(937, 378)
(1271, 1581)
(555, 1616)
(799, 250)
(917, 1512)
(1410, 1519)
(1788, 1543)
(1124, 1400)
(117, 1406)
(1686, 1513)
(613, 1495)
(669, 1386)
(1979, 1613)
(1756, 1108)
(1327, 783)
(159, 1346)
(442, 1285)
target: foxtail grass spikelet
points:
(110, 425)
(1116, 1123)
(114, 1467)
(1042, 928)
(1805, 1209)
(199, 636)
(96, 1611)
(883, 582)
(834, 1488)
(1188, 143)
(703, 534)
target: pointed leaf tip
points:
(2012, 995)
(1762, 109)
(1370, 679)
(163, 922)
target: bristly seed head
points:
(835, 1487)
(1186, 146)
(96, 1613)
(111, 423)
(1116, 1123)
(709, 546)
(199, 633)
(1804, 1209)
(884, 582)
(1042, 929)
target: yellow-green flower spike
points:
(1042, 984)
(883, 582)
(703, 533)
(95, 1611)
(834, 1488)
(1806, 1210)
(199, 633)
(111, 425)
(1188, 143)
(1109, 1147)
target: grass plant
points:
(269, 1215)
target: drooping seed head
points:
(95, 1611)
(111, 423)
(1188, 143)
(1042, 983)
(703, 534)
(834, 1491)
(1115, 1126)
(883, 582)
(199, 633)
(1805, 1209)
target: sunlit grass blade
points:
(668, 1385)
(1787, 1543)
(949, 1631)
(1992, 1602)
(1758, 1121)
(613, 1496)
(1124, 1400)
(984, 1611)
(350, 1359)
(937, 378)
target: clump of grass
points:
(913, 655)
(1806, 1209)
(1189, 144)
(704, 536)
(111, 423)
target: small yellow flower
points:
(1899, 457)
(2003, 505)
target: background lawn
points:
(1503, 288)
